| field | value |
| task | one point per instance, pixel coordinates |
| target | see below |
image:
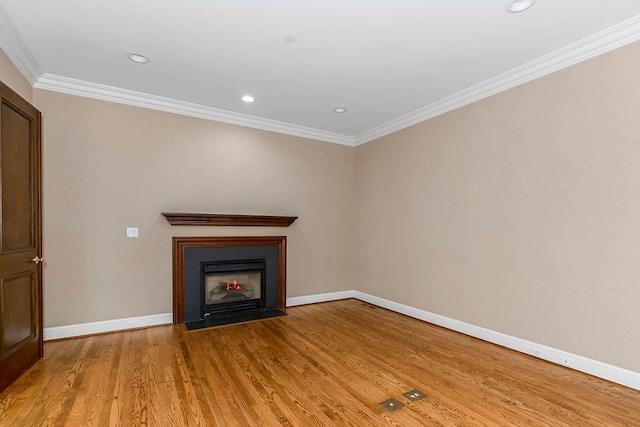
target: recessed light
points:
(340, 110)
(248, 98)
(517, 6)
(136, 57)
(290, 39)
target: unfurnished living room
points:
(320, 213)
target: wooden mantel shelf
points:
(228, 220)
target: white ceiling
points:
(392, 63)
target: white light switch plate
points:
(132, 231)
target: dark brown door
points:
(20, 237)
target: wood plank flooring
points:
(322, 365)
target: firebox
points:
(233, 287)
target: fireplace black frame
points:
(182, 244)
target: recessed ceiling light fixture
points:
(339, 110)
(517, 6)
(248, 98)
(136, 57)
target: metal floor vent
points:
(414, 395)
(391, 405)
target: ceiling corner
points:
(607, 40)
(12, 44)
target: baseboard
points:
(592, 367)
(70, 331)
(312, 299)
(579, 363)
(60, 332)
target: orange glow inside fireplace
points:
(234, 286)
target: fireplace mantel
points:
(228, 220)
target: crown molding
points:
(612, 38)
(12, 44)
(597, 44)
(139, 99)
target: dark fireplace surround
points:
(204, 293)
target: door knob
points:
(37, 260)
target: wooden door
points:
(20, 237)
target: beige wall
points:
(10, 76)
(108, 166)
(519, 213)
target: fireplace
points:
(222, 280)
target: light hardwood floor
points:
(322, 365)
